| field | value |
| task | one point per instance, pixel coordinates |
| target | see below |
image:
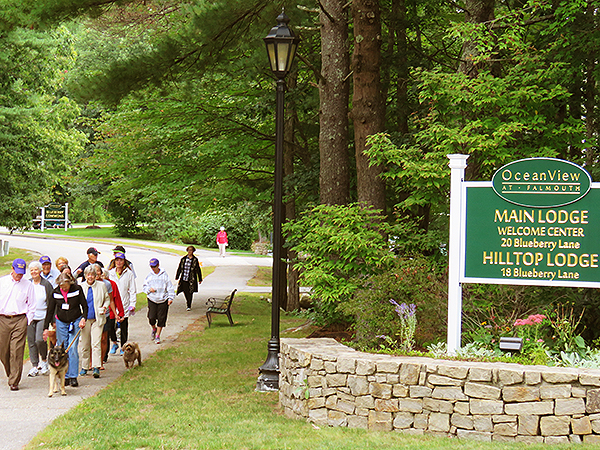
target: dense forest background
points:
(159, 114)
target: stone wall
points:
(328, 383)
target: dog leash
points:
(73, 341)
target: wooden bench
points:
(220, 306)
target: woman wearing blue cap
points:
(160, 293)
(49, 273)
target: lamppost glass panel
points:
(282, 56)
(272, 55)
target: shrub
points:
(341, 245)
(565, 327)
(242, 224)
(419, 281)
(126, 217)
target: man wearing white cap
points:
(17, 308)
(160, 293)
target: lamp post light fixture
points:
(281, 48)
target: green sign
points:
(512, 244)
(541, 182)
(54, 211)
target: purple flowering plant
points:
(407, 313)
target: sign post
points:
(457, 164)
(534, 224)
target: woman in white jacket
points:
(98, 301)
(160, 293)
(125, 279)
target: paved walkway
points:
(23, 414)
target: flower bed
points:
(328, 383)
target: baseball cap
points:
(45, 259)
(119, 248)
(153, 262)
(93, 251)
(120, 255)
(19, 265)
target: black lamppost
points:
(281, 47)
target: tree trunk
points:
(292, 293)
(590, 112)
(368, 112)
(590, 116)
(476, 11)
(334, 93)
(398, 31)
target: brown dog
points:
(131, 352)
(51, 336)
(58, 363)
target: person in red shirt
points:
(222, 241)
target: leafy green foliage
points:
(339, 246)
(126, 217)
(565, 327)
(493, 119)
(417, 281)
(242, 223)
(37, 140)
(202, 140)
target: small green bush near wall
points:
(415, 281)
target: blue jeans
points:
(66, 332)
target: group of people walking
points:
(89, 309)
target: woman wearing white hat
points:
(222, 241)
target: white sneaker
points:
(43, 368)
(34, 372)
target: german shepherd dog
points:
(58, 363)
(131, 352)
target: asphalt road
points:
(24, 413)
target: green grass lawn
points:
(200, 394)
(6, 261)
(263, 277)
(108, 232)
(105, 232)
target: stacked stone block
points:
(330, 384)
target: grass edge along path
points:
(108, 235)
(199, 393)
